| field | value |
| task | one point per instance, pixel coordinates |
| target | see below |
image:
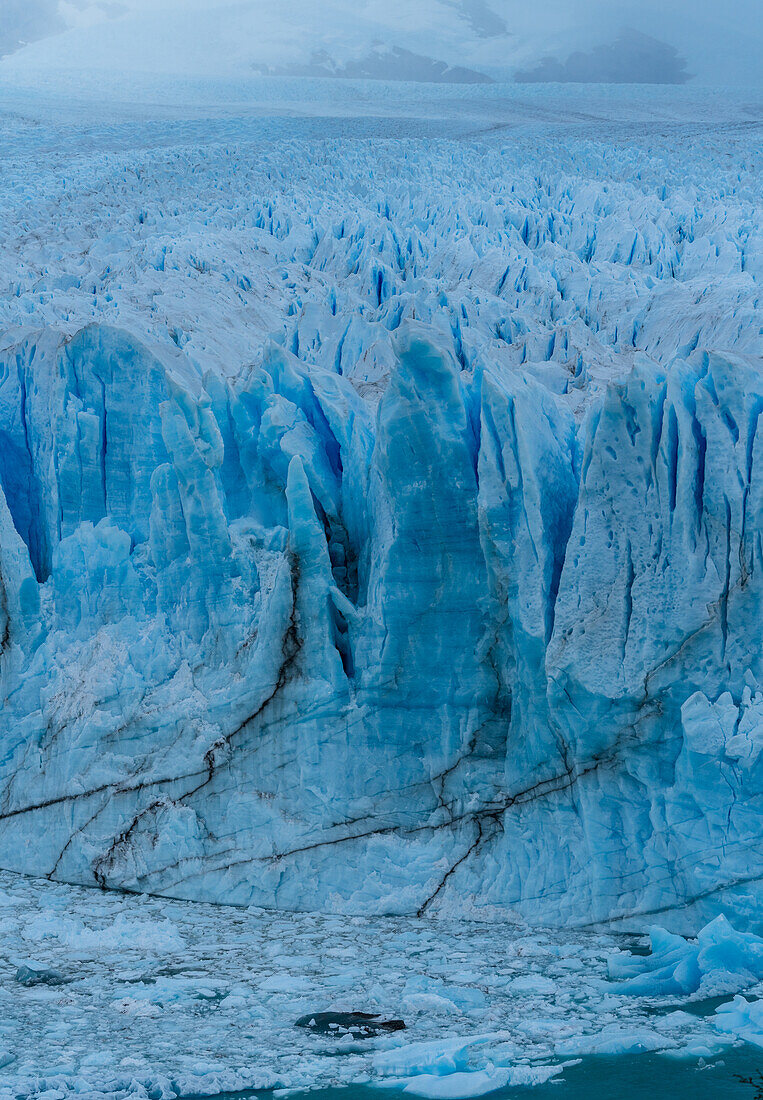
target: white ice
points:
(167, 998)
(380, 535)
(380, 525)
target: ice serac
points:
(266, 640)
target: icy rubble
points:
(721, 961)
(380, 526)
(168, 998)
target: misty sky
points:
(721, 41)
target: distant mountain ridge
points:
(633, 58)
(382, 63)
(444, 41)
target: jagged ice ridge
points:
(380, 526)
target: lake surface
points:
(631, 1077)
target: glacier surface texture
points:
(381, 525)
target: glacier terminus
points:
(380, 526)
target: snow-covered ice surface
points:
(382, 499)
(162, 998)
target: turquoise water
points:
(632, 1077)
(653, 1077)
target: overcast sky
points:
(720, 40)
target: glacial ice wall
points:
(448, 595)
(260, 645)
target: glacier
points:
(380, 512)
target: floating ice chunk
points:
(617, 1039)
(431, 1003)
(284, 983)
(721, 960)
(533, 983)
(439, 1057)
(463, 1085)
(99, 1058)
(460, 996)
(32, 974)
(458, 1086)
(159, 936)
(134, 1006)
(741, 1018)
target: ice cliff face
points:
(452, 597)
(259, 644)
